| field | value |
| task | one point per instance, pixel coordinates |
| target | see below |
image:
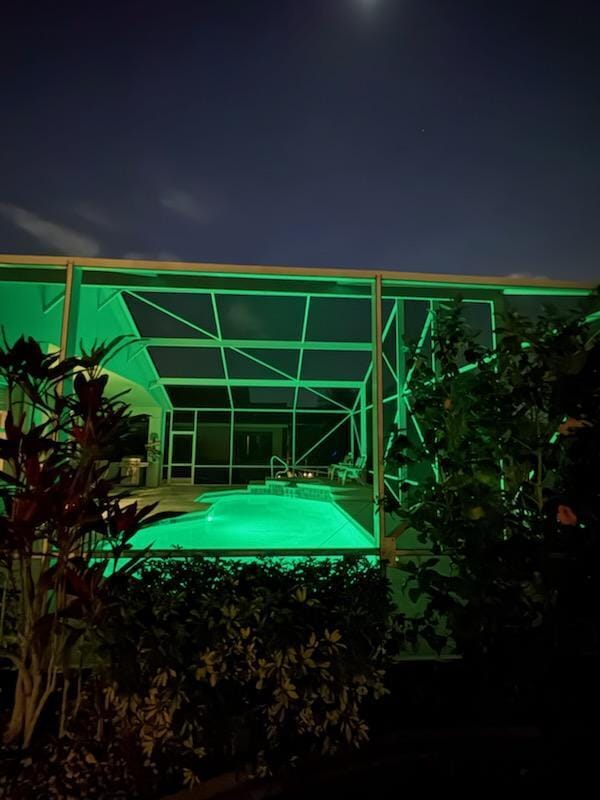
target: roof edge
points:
(257, 270)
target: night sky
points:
(421, 135)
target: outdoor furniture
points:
(352, 471)
(347, 461)
(132, 471)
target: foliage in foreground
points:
(219, 666)
(56, 506)
(505, 485)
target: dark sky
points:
(428, 135)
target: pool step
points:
(307, 489)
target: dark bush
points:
(217, 666)
(507, 497)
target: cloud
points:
(95, 215)
(57, 237)
(188, 206)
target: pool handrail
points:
(272, 461)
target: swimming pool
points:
(258, 522)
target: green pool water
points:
(244, 521)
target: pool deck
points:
(175, 497)
(354, 499)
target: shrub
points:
(56, 505)
(508, 492)
(217, 665)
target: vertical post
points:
(217, 317)
(298, 378)
(435, 367)
(70, 318)
(498, 310)
(401, 414)
(231, 444)
(68, 335)
(70, 315)
(362, 449)
(377, 392)
(433, 307)
(294, 425)
(170, 461)
(162, 444)
(194, 441)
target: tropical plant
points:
(58, 506)
(223, 666)
(508, 494)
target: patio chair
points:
(352, 471)
(347, 461)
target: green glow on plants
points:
(370, 559)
